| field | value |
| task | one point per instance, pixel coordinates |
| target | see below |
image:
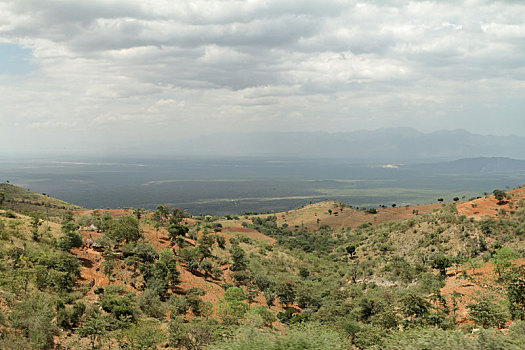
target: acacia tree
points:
(177, 230)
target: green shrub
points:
(306, 337)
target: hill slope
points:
(23, 200)
(118, 278)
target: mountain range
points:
(387, 144)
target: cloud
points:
(185, 67)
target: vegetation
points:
(151, 280)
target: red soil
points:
(488, 206)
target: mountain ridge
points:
(387, 144)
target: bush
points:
(487, 314)
(33, 317)
(307, 337)
(147, 335)
(149, 302)
(121, 306)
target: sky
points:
(104, 75)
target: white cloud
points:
(188, 67)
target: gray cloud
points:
(272, 64)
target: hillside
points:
(121, 278)
(24, 200)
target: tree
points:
(500, 195)
(351, 250)
(36, 222)
(502, 260)
(440, 262)
(70, 240)
(138, 213)
(205, 245)
(146, 335)
(486, 313)
(94, 325)
(150, 303)
(221, 241)
(269, 297)
(413, 305)
(2, 199)
(455, 299)
(239, 258)
(145, 253)
(125, 228)
(515, 285)
(176, 230)
(177, 215)
(169, 264)
(109, 263)
(164, 212)
(286, 292)
(232, 307)
(206, 266)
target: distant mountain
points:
(472, 165)
(388, 144)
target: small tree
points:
(94, 325)
(176, 230)
(36, 222)
(138, 213)
(515, 285)
(486, 313)
(351, 250)
(441, 262)
(221, 241)
(207, 267)
(413, 305)
(239, 258)
(502, 260)
(286, 292)
(125, 228)
(500, 196)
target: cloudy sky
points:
(109, 74)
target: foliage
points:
(486, 313)
(312, 336)
(124, 228)
(33, 317)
